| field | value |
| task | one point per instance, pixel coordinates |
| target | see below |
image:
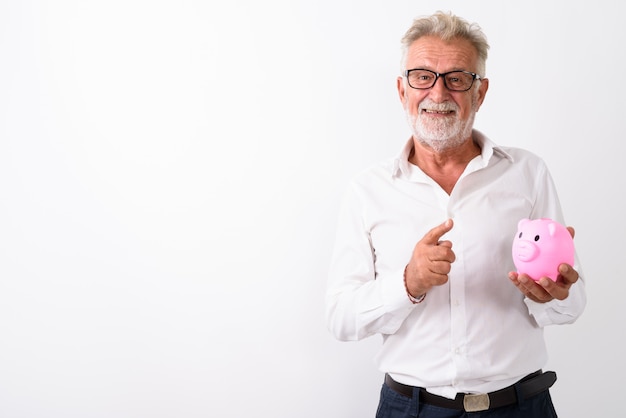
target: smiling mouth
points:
(438, 112)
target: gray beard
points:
(440, 135)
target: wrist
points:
(414, 300)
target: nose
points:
(526, 250)
(438, 91)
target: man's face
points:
(441, 118)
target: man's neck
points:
(445, 167)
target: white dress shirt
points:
(476, 333)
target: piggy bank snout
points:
(526, 250)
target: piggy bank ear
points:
(552, 229)
(522, 222)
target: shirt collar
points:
(402, 167)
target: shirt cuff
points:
(394, 293)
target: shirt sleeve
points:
(360, 303)
(558, 312)
(567, 311)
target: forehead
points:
(433, 53)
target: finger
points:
(571, 230)
(442, 252)
(432, 237)
(446, 244)
(440, 267)
(554, 289)
(567, 274)
(524, 283)
(529, 288)
(541, 290)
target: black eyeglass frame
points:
(443, 76)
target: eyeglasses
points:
(453, 80)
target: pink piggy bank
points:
(540, 246)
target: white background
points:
(170, 173)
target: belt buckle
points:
(476, 402)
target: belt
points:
(529, 386)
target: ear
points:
(482, 92)
(521, 223)
(552, 229)
(401, 90)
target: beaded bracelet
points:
(413, 300)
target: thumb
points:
(433, 236)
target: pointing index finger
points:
(433, 236)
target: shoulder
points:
(523, 156)
(380, 169)
(526, 164)
(520, 153)
(371, 181)
(513, 154)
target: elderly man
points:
(423, 249)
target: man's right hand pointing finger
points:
(431, 261)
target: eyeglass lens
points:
(456, 80)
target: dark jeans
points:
(394, 405)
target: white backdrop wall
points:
(170, 173)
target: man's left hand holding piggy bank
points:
(544, 289)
